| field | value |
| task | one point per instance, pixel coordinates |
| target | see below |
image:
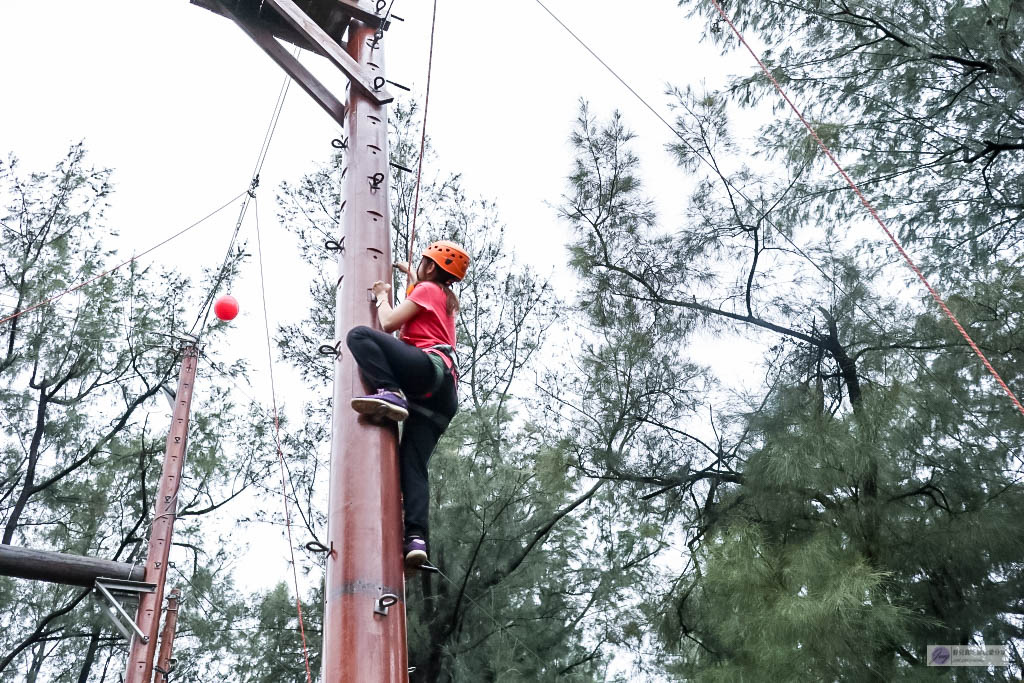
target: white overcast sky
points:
(176, 100)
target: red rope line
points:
(423, 141)
(280, 451)
(105, 273)
(874, 213)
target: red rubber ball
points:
(226, 307)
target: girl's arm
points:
(403, 267)
(392, 319)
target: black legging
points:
(389, 363)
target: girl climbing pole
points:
(414, 377)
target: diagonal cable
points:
(280, 451)
(874, 214)
(120, 265)
(782, 233)
(204, 311)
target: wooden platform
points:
(333, 16)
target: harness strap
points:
(435, 384)
(439, 420)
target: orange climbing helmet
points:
(449, 257)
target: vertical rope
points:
(280, 452)
(423, 141)
(874, 213)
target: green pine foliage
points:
(855, 507)
(85, 424)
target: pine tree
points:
(85, 419)
(826, 522)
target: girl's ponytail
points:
(452, 300)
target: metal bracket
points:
(115, 612)
(328, 350)
(172, 663)
(318, 547)
(311, 31)
(384, 602)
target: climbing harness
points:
(440, 370)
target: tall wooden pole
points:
(167, 636)
(365, 515)
(140, 660)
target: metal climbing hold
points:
(384, 602)
(316, 547)
(329, 350)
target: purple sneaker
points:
(415, 550)
(385, 403)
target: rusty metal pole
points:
(163, 665)
(140, 660)
(365, 516)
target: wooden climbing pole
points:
(364, 635)
(364, 603)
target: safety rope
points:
(423, 144)
(134, 258)
(501, 628)
(280, 451)
(874, 213)
(254, 182)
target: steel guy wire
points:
(501, 628)
(277, 439)
(204, 312)
(134, 258)
(874, 214)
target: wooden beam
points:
(306, 80)
(363, 10)
(271, 22)
(73, 570)
(309, 29)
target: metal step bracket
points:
(107, 588)
(385, 601)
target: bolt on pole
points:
(143, 650)
(363, 641)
